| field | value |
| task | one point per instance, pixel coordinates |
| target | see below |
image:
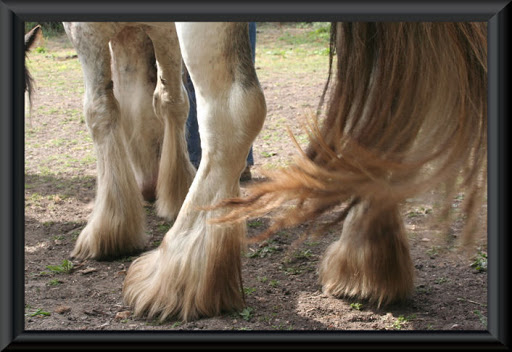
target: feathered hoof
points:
(381, 278)
(183, 282)
(102, 242)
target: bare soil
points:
(280, 279)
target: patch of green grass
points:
(480, 262)
(156, 322)
(48, 223)
(303, 254)
(356, 306)
(300, 52)
(176, 324)
(88, 159)
(254, 224)
(268, 154)
(65, 267)
(265, 250)
(282, 326)
(163, 228)
(263, 279)
(315, 33)
(402, 321)
(292, 270)
(54, 282)
(433, 251)
(40, 312)
(483, 319)
(246, 313)
(423, 289)
(274, 283)
(75, 234)
(249, 290)
(442, 280)
(34, 199)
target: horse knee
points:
(170, 105)
(101, 112)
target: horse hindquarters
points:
(196, 270)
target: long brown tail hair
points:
(408, 111)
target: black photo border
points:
(13, 14)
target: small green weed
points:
(263, 279)
(482, 318)
(40, 312)
(65, 267)
(254, 224)
(268, 154)
(442, 280)
(304, 254)
(356, 306)
(246, 313)
(266, 249)
(54, 282)
(249, 290)
(401, 321)
(292, 270)
(274, 283)
(480, 262)
(433, 252)
(164, 227)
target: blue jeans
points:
(193, 139)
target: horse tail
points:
(407, 112)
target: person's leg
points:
(193, 139)
(252, 40)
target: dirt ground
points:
(280, 280)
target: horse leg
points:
(134, 74)
(170, 102)
(115, 226)
(196, 271)
(371, 259)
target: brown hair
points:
(408, 111)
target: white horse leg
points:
(371, 259)
(196, 270)
(116, 223)
(134, 76)
(170, 101)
